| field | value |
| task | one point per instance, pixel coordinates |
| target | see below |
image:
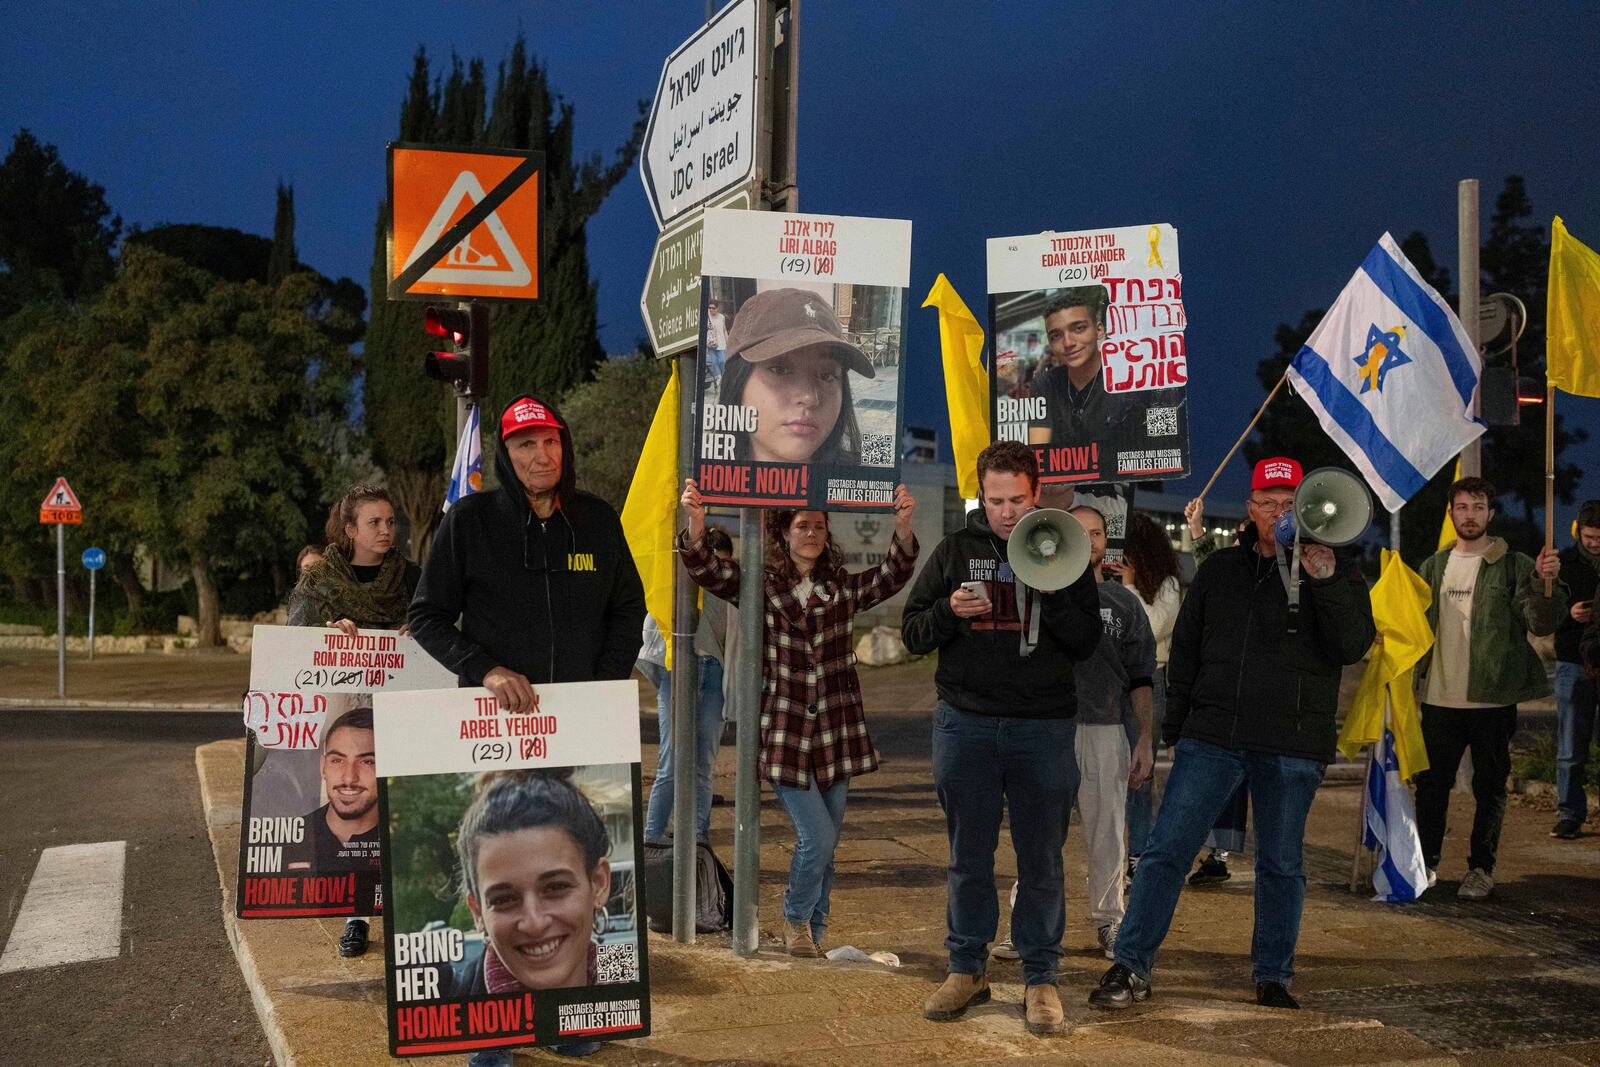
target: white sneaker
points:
(1107, 936)
(1433, 877)
(1476, 885)
(1005, 950)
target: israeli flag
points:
(466, 475)
(1391, 374)
(1390, 822)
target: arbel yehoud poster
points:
(513, 845)
(308, 828)
(801, 341)
(1089, 360)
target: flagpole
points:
(1549, 476)
(1259, 412)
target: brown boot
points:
(797, 940)
(1041, 1008)
(959, 992)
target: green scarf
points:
(332, 590)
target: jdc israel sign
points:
(701, 137)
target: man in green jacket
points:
(1486, 601)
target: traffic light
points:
(465, 365)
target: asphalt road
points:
(173, 994)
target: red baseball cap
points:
(527, 414)
(1279, 472)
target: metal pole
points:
(61, 611)
(1394, 530)
(1467, 237)
(91, 616)
(777, 80)
(685, 698)
(747, 705)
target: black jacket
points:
(1581, 579)
(1236, 676)
(981, 665)
(557, 600)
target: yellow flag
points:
(1572, 315)
(649, 517)
(966, 383)
(1447, 532)
(1400, 609)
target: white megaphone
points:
(1048, 550)
(1331, 507)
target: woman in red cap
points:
(813, 727)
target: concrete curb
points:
(50, 704)
(214, 811)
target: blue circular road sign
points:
(94, 558)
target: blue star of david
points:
(1383, 355)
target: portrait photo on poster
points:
(799, 382)
(308, 828)
(1090, 364)
(508, 883)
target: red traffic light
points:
(448, 322)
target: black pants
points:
(1447, 733)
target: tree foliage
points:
(610, 416)
(549, 347)
(57, 233)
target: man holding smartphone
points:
(1002, 732)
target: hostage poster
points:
(800, 391)
(514, 910)
(1090, 366)
(308, 828)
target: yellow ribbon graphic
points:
(1155, 253)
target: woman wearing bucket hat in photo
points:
(789, 360)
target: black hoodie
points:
(981, 665)
(556, 600)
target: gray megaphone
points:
(1048, 550)
(1331, 507)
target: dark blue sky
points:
(1281, 140)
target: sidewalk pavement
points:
(1515, 979)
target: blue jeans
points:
(981, 765)
(1575, 705)
(1204, 777)
(818, 816)
(1141, 801)
(708, 739)
(717, 357)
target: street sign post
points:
(93, 559)
(701, 138)
(464, 225)
(60, 508)
(670, 302)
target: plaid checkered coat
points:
(812, 721)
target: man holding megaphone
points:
(1002, 734)
(1252, 694)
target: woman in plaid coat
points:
(813, 727)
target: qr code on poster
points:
(616, 963)
(877, 450)
(1161, 422)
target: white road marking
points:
(73, 908)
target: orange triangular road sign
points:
(61, 498)
(466, 263)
